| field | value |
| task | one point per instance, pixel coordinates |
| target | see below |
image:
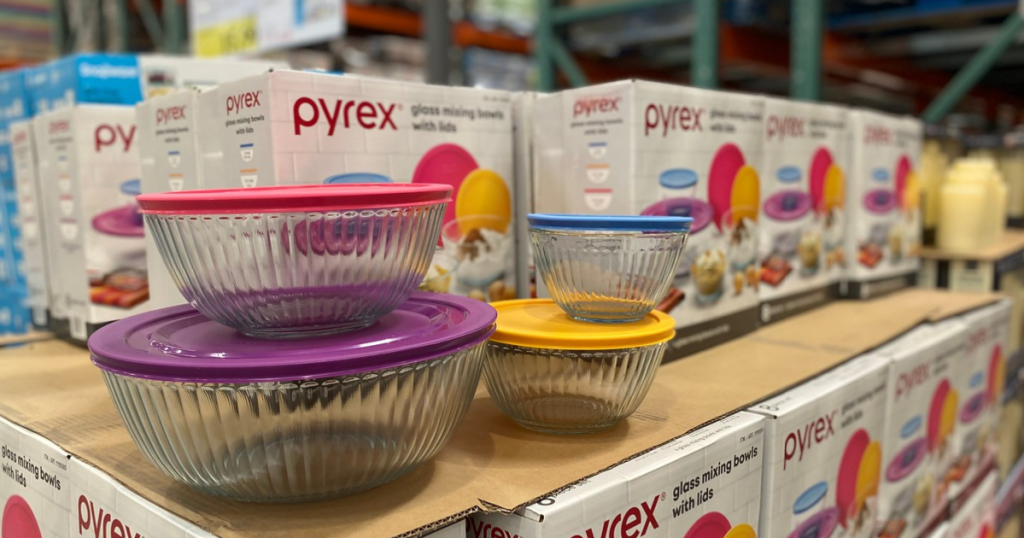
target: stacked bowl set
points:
(307, 366)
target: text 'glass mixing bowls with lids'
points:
(604, 268)
(297, 419)
(297, 260)
(551, 373)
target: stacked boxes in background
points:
(14, 313)
(291, 127)
(883, 204)
(643, 148)
(823, 453)
(33, 226)
(35, 497)
(976, 516)
(702, 484)
(803, 223)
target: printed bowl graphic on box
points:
(716, 525)
(125, 284)
(18, 520)
(881, 199)
(730, 212)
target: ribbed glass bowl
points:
(607, 276)
(300, 441)
(567, 391)
(280, 275)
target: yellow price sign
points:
(229, 37)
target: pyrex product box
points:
(33, 224)
(34, 485)
(980, 385)
(823, 454)
(101, 253)
(291, 127)
(522, 126)
(14, 106)
(922, 401)
(976, 516)
(803, 223)
(52, 178)
(125, 79)
(883, 204)
(104, 507)
(644, 148)
(170, 161)
(703, 484)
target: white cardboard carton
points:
(170, 160)
(522, 125)
(291, 127)
(802, 216)
(33, 225)
(918, 441)
(644, 148)
(706, 481)
(101, 255)
(104, 507)
(34, 485)
(976, 517)
(48, 171)
(883, 204)
(980, 385)
(823, 453)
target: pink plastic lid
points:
(294, 198)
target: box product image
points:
(980, 382)
(704, 484)
(101, 254)
(823, 454)
(883, 204)
(33, 227)
(976, 516)
(291, 127)
(170, 159)
(922, 403)
(35, 498)
(803, 221)
(103, 507)
(643, 148)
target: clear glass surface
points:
(607, 276)
(286, 442)
(565, 391)
(298, 274)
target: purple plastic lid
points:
(180, 344)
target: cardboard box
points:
(976, 517)
(34, 484)
(91, 157)
(883, 204)
(643, 148)
(919, 432)
(980, 384)
(291, 127)
(170, 159)
(802, 220)
(823, 453)
(33, 223)
(14, 106)
(708, 478)
(522, 126)
(125, 79)
(104, 507)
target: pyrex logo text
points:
(368, 115)
(976, 339)
(164, 115)
(237, 103)
(785, 127)
(103, 524)
(486, 530)
(908, 380)
(628, 523)
(594, 105)
(20, 137)
(61, 126)
(671, 118)
(107, 135)
(803, 439)
(874, 134)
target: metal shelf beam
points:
(806, 22)
(704, 65)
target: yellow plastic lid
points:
(540, 323)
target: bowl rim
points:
(615, 223)
(293, 198)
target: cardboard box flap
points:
(491, 463)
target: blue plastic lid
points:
(616, 223)
(677, 178)
(910, 427)
(810, 497)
